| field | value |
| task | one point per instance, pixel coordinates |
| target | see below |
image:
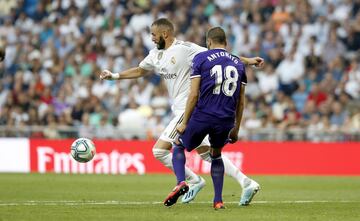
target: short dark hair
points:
(165, 23)
(216, 34)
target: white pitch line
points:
(83, 203)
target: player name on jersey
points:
(216, 55)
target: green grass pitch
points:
(132, 197)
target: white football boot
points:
(250, 189)
(194, 189)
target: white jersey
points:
(174, 66)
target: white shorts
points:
(170, 134)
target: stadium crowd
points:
(309, 88)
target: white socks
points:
(230, 168)
(165, 157)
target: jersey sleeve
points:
(194, 49)
(195, 68)
(243, 79)
(148, 63)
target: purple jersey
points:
(221, 74)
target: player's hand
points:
(181, 128)
(233, 135)
(256, 61)
(106, 75)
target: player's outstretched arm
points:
(233, 136)
(257, 61)
(190, 104)
(127, 74)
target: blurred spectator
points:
(279, 106)
(55, 50)
(299, 97)
(268, 82)
(252, 87)
(280, 15)
(105, 130)
(131, 122)
(3, 95)
(316, 94)
(85, 129)
(253, 122)
(333, 48)
(314, 128)
(312, 56)
(290, 70)
(352, 86)
(338, 115)
(354, 121)
(51, 131)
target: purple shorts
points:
(197, 130)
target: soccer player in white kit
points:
(172, 59)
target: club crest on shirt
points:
(160, 55)
(173, 61)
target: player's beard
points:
(161, 43)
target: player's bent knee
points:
(215, 153)
(162, 145)
(160, 153)
(206, 156)
(202, 149)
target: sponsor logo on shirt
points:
(168, 76)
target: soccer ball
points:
(83, 150)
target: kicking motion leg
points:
(161, 151)
(181, 188)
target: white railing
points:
(264, 134)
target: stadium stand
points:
(309, 88)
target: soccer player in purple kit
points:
(214, 107)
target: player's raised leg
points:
(163, 146)
(161, 152)
(189, 140)
(194, 188)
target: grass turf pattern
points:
(132, 197)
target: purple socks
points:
(217, 174)
(178, 161)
